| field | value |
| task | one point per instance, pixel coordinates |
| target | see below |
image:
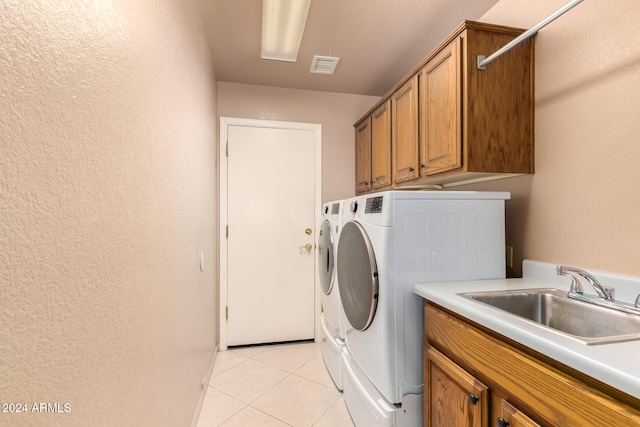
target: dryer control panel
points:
(374, 205)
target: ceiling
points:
(377, 41)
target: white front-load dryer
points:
(389, 242)
(331, 314)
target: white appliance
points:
(331, 315)
(390, 241)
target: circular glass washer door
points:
(357, 276)
(326, 257)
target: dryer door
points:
(326, 257)
(357, 275)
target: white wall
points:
(107, 199)
(583, 203)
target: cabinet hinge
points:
(227, 232)
(226, 149)
(226, 313)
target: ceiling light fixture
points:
(283, 24)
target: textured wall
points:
(583, 204)
(336, 112)
(107, 200)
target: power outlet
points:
(509, 254)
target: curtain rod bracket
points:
(481, 64)
(484, 61)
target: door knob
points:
(306, 247)
(307, 231)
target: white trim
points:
(203, 390)
(225, 122)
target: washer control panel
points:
(374, 205)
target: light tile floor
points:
(273, 385)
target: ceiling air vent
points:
(323, 64)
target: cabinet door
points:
(381, 146)
(441, 112)
(404, 131)
(363, 156)
(452, 396)
(512, 417)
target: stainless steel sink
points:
(551, 308)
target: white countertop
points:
(615, 364)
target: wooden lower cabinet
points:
(510, 416)
(454, 397)
(474, 377)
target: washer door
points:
(326, 257)
(357, 275)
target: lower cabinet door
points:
(452, 396)
(512, 417)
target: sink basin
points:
(551, 308)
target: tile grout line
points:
(288, 375)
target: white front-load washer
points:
(331, 314)
(390, 241)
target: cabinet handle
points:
(422, 166)
(502, 422)
(473, 399)
(411, 169)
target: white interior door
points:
(271, 215)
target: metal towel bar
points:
(483, 61)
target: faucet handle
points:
(610, 292)
(576, 286)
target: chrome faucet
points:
(604, 292)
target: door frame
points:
(225, 123)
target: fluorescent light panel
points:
(283, 24)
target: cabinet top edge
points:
(465, 25)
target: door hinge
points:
(226, 313)
(227, 232)
(226, 149)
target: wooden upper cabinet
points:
(404, 131)
(363, 156)
(449, 123)
(381, 147)
(441, 119)
(452, 396)
(498, 104)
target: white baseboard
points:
(203, 390)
